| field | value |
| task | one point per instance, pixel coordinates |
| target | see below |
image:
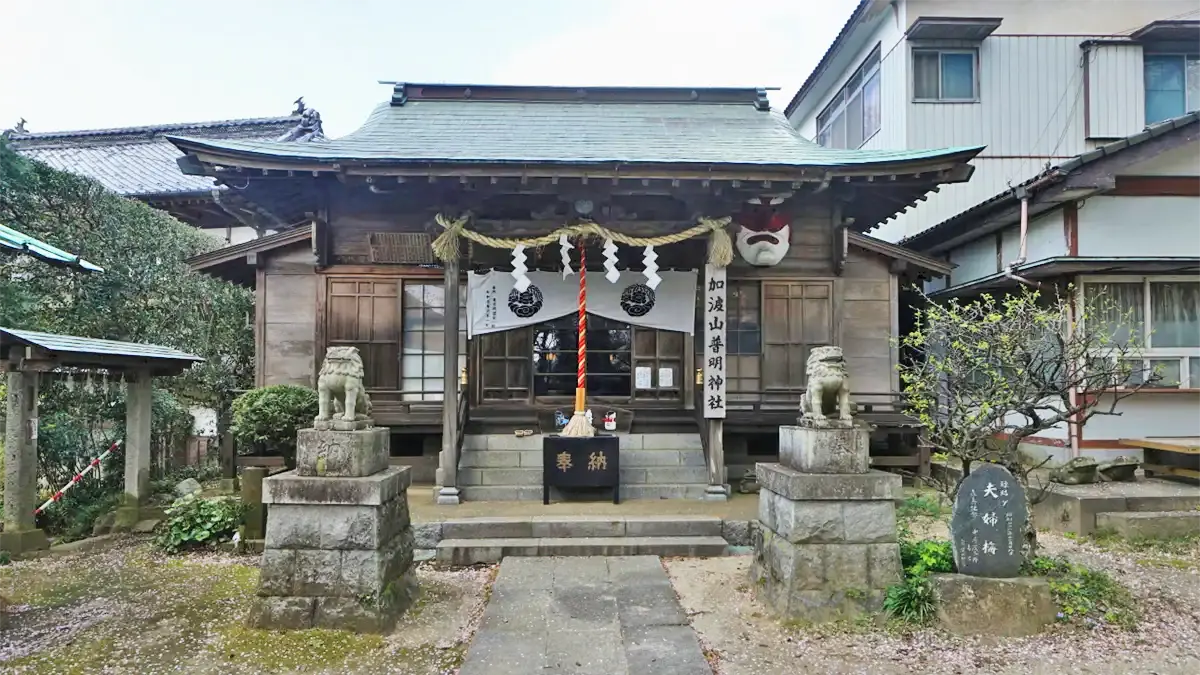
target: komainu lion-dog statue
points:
(827, 393)
(340, 389)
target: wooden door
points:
(363, 313)
(796, 317)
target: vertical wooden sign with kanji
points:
(714, 341)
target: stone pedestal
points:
(825, 447)
(338, 551)
(1002, 607)
(827, 547)
(341, 453)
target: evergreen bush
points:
(266, 420)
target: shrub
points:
(194, 521)
(928, 556)
(266, 420)
(911, 601)
(5, 558)
(1085, 596)
(927, 506)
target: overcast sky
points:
(84, 64)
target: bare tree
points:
(989, 373)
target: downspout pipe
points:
(1023, 193)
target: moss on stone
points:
(292, 650)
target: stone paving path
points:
(579, 616)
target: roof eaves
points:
(226, 254)
(847, 28)
(867, 242)
(149, 129)
(20, 242)
(948, 227)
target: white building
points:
(1083, 106)
(1037, 82)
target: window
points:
(797, 316)
(945, 75)
(423, 354)
(743, 336)
(854, 114)
(1164, 315)
(1172, 85)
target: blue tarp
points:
(12, 239)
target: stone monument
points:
(338, 551)
(827, 548)
(987, 533)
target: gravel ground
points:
(736, 628)
(130, 610)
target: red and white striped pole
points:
(78, 477)
(581, 375)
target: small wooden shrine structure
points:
(444, 233)
(28, 357)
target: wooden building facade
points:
(511, 163)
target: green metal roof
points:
(71, 344)
(472, 128)
(17, 241)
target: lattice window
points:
(423, 354)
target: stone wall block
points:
(374, 490)
(846, 567)
(871, 486)
(883, 565)
(768, 503)
(350, 527)
(292, 527)
(341, 453)
(277, 572)
(869, 522)
(811, 522)
(808, 571)
(318, 573)
(825, 450)
(280, 613)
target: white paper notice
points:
(666, 378)
(642, 375)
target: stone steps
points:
(486, 540)
(473, 551)
(508, 493)
(506, 467)
(1150, 524)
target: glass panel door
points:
(555, 360)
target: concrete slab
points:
(1074, 508)
(1150, 524)
(601, 616)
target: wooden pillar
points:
(447, 472)
(137, 437)
(716, 461)
(20, 466)
(713, 383)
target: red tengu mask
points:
(764, 235)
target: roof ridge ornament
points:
(399, 94)
(761, 101)
(19, 129)
(309, 127)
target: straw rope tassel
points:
(579, 425)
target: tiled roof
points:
(17, 241)
(962, 222)
(138, 161)
(473, 130)
(77, 345)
